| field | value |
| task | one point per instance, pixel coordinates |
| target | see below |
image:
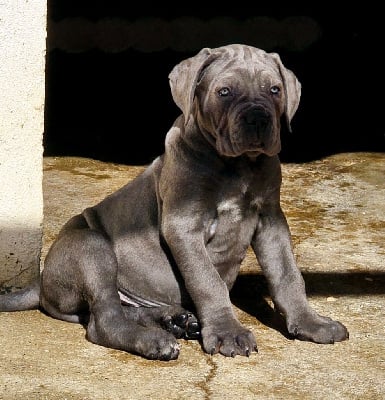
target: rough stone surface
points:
(336, 211)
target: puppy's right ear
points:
(184, 77)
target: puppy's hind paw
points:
(167, 353)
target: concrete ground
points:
(336, 211)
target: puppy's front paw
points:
(229, 339)
(318, 329)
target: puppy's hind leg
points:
(80, 277)
(108, 324)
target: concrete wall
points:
(22, 88)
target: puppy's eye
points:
(275, 90)
(225, 91)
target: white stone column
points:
(22, 89)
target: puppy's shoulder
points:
(174, 133)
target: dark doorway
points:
(108, 97)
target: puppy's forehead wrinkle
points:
(247, 55)
(228, 73)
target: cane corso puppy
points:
(154, 261)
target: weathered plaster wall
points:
(22, 87)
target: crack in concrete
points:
(213, 367)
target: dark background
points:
(108, 98)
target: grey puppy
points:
(155, 260)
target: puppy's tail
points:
(23, 299)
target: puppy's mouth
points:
(251, 130)
(228, 150)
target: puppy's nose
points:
(257, 119)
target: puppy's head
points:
(237, 95)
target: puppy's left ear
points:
(292, 89)
(184, 78)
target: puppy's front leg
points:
(272, 246)
(221, 331)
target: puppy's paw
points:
(182, 325)
(318, 329)
(157, 344)
(229, 339)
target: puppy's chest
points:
(234, 215)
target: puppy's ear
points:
(292, 89)
(184, 77)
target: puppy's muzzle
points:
(257, 124)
